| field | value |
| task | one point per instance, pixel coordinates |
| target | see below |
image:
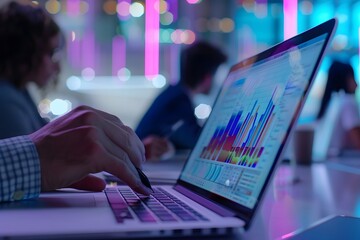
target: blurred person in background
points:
(30, 50)
(171, 118)
(340, 94)
(30, 42)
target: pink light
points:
(73, 7)
(88, 49)
(118, 54)
(193, 1)
(123, 9)
(151, 38)
(290, 18)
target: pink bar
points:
(88, 49)
(118, 54)
(73, 7)
(290, 18)
(151, 38)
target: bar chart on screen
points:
(241, 140)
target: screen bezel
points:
(241, 211)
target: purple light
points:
(118, 54)
(73, 51)
(174, 63)
(151, 38)
(88, 49)
(73, 7)
(290, 18)
(173, 8)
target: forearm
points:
(19, 169)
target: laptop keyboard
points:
(161, 206)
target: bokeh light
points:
(53, 6)
(84, 7)
(340, 42)
(44, 106)
(306, 7)
(165, 35)
(123, 9)
(202, 111)
(124, 74)
(88, 74)
(136, 9)
(159, 81)
(60, 106)
(73, 83)
(188, 37)
(166, 18)
(226, 25)
(163, 7)
(110, 7)
(176, 36)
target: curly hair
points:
(25, 34)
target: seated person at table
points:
(340, 94)
(174, 106)
(29, 44)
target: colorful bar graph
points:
(241, 142)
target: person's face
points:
(206, 85)
(351, 84)
(50, 64)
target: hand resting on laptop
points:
(86, 141)
(64, 152)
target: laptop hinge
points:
(205, 202)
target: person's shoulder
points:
(9, 93)
(175, 91)
(8, 88)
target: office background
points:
(119, 54)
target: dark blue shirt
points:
(172, 105)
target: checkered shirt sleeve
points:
(19, 169)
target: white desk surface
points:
(298, 196)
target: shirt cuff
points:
(20, 172)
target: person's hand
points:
(155, 147)
(87, 141)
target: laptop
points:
(225, 176)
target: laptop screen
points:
(242, 137)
